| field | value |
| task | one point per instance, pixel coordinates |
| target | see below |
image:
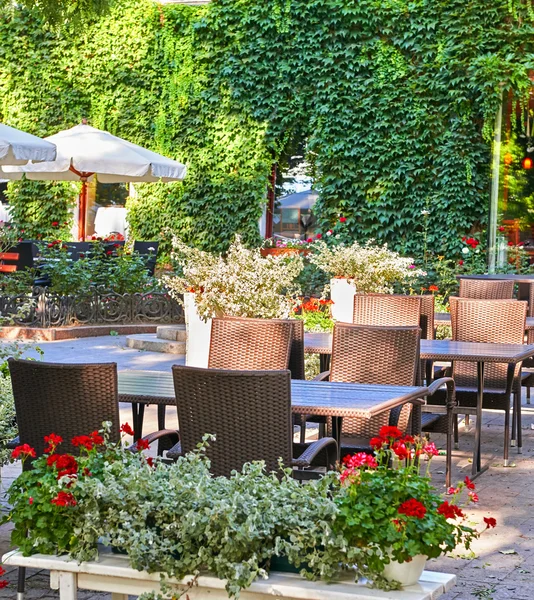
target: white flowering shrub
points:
(240, 284)
(372, 268)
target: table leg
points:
(324, 362)
(138, 413)
(337, 424)
(480, 397)
(68, 586)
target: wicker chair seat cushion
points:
(493, 399)
(434, 423)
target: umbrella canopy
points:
(18, 147)
(84, 152)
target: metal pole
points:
(494, 194)
(270, 203)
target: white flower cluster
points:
(371, 267)
(241, 284)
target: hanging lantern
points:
(527, 163)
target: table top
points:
(518, 278)
(321, 343)
(112, 572)
(307, 397)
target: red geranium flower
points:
(450, 511)
(412, 508)
(84, 441)
(433, 288)
(97, 439)
(490, 522)
(55, 223)
(468, 483)
(53, 440)
(473, 496)
(460, 262)
(342, 219)
(399, 448)
(64, 499)
(510, 243)
(65, 464)
(430, 449)
(361, 459)
(376, 443)
(142, 445)
(390, 431)
(23, 452)
(319, 236)
(125, 428)
(309, 240)
(150, 461)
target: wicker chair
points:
(386, 309)
(486, 289)
(250, 414)
(383, 355)
(489, 321)
(250, 344)
(527, 376)
(67, 399)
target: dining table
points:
(330, 399)
(451, 351)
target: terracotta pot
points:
(280, 251)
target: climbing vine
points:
(394, 101)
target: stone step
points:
(176, 333)
(151, 343)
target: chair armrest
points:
(157, 435)
(314, 449)
(439, 383)
(324, 376)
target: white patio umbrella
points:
(18, 147)
(84, 152)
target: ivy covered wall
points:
(396, 99)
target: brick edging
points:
(50, 334)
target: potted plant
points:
(316, 314)
(368, 268)
(396, 512)
(240, 284)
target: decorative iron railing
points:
(96, 307)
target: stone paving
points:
(501, 563)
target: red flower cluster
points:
(400, 450)
(430, 449)
(412, 508)
(4, 583)
(471, 242)
(142, 445)
(450, 511)
(65, 464)
(388, 432)
(355, 462)
(23, 452)
(433, 288)
(490, 522)
(55, 223)
(342, 219)
(125, 428)
(468, 483)
(53, 440)
(64, 499)
(88, 441)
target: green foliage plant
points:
(394, 103)
(242, 283)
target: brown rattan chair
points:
(489, 321)
(250, 344)
(389, 356)
(67, 399)
(486, 289)
(386, 309)
(249, 412)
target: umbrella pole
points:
(82, 210)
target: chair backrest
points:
(67, 399)
(486, 289)
(375, 354)
(386, 309)
(250, 344)
(487, 321)
(149, 251)
(249, 412)
(426, 321)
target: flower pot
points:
(406, 573)
(281, 251)
(342, 292)
(197, 347)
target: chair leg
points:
(455, 427)
(322, 430)
(518, 425)
(528, 394)
(506, 435)
(466, 421)
(21, 583)
(302, 429)
(514, 415)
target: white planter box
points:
(112, 573)
(342, 293)
(197, 347)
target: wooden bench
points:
(111, 573)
